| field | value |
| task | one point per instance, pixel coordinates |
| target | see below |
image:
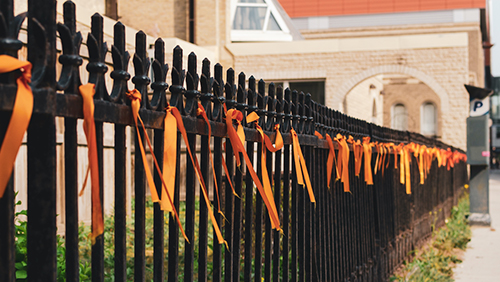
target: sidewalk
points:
(481, 261)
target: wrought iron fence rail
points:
(359, 236)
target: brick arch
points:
(344, 89)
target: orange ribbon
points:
(331, 158)
(358, 154)
(343, 161)
(201, 112)
(407, 170)
(135, 98)
(237, 138)
(300, 166)
(228, 178)
(367, 151)
(88, 91)
(266, 143)
(180, 125)
(20, 119)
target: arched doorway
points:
(396, 100)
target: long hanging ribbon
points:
(343, 161)
(358, 153)
(407, 170)
(88, 91)
(20, 119)
(421, 165)
(300, 166)
(226, 171)
(169, 160)
(201, 112)
(180, 125)
(135, 98)
(331, 159)
(237, 138)
(367, 152)
(377, 159)
(266, 143)
(401, 153)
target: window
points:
(399, 117)
(374, 112)
(428, 124)
(257, 20)
(315, 88)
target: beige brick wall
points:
(444, 70)
(156, 18)
(475, 54)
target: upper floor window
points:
(315, 88)
(428, 120)
(399, 117)
(257, 20)
(374, 111)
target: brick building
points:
(366, 58)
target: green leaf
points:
(21, 274)
(19, 265)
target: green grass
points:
(435, 261)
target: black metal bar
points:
(7, 228)
(286, 189)
(277, 186)
(238, 184)
(191, 105)
(7, 233)
(120, 204)
(247, 275)
(71, 199)
(268, 252)
(69, 81)
(98, 246)
(206, 98)
(217, 254)
(229, 89)
(258, 200)
(218, 86)
(42, 147)
(159, 221)
(175, 101)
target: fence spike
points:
(192, 94)
(141, 69)
(177, 88)
(160, 70)
(121, 58)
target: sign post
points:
(478, 154)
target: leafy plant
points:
(436, 261)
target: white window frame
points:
(264, 34)
(422, 118)
(393, 125)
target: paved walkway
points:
(481, 261)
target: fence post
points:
(42, 142)
(10, 46)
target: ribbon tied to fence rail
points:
(267, 143)
(237, 138)
(19, 120)
(135, 97)
(300, 166)
(87, 92)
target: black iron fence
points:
(359, 236)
